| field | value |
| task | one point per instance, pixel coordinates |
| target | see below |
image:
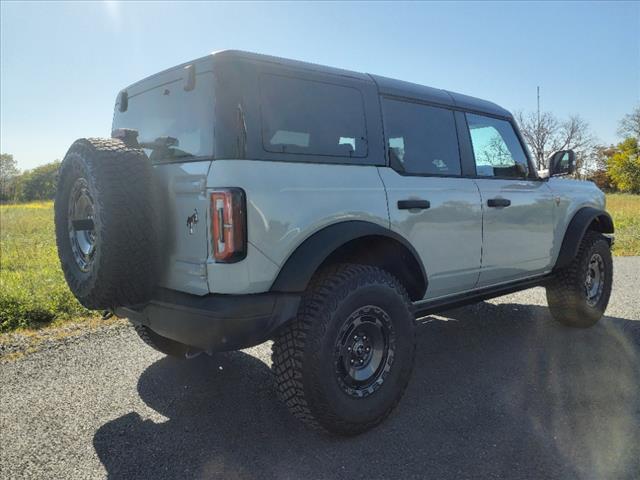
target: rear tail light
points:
(228, 224)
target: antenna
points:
(538, 106)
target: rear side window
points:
(421, 139)
(496, 148)
(314, 118)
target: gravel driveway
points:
(499, 391)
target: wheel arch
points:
(353, 241)
(586, 218)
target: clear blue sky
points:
(63, 63)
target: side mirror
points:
(563, 162)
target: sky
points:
(62, 64)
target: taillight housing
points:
(228, 224)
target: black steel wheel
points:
(364, 351)
(343, 363)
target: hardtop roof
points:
(386, 86)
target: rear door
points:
(429, 202)
(517, 208)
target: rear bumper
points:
(214, 322)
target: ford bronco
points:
(244, 197)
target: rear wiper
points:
(160, 143)
(163, 147)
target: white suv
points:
(244, 198)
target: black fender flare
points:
(298, 269)
(578, 226)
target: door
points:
(429, 202)
(517, 209)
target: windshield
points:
(172, 123)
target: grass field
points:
(625, 210)
(33, 291)
(32, 288)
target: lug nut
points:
(348, 349)
(367, 349)
(361, 361)
(364, 337)
(355, 337)
(351, 361)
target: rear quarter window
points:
(421, 139)
(311, 117)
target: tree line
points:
(36, 184)
(612, 168)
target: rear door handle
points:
(498, 202)
(413, 204)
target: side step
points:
(427, 307)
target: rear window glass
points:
(172, 123)
(313, 118)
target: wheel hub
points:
(364, 351)
(594, 281)
(360, 350)
(81, 225)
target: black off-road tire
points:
(117, 180)
(304, 351)
(566, 293)
(161, 344)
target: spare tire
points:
(105, 223)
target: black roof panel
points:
(388, 86)
(400, 88)
(239, 54)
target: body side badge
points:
(192, 220)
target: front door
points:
(517, 209)
(429, 202)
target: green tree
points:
(39, 183)
(8, 172)
(623, 166)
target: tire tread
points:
(564, 293)
(294, 345)
(127, 261)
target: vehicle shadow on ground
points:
(498, 391)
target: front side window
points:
(496, 148)
(421, 139)
(313, 118)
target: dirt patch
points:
(15, 344)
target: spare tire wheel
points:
(105, 223)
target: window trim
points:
(387, 153)
(365, 154)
